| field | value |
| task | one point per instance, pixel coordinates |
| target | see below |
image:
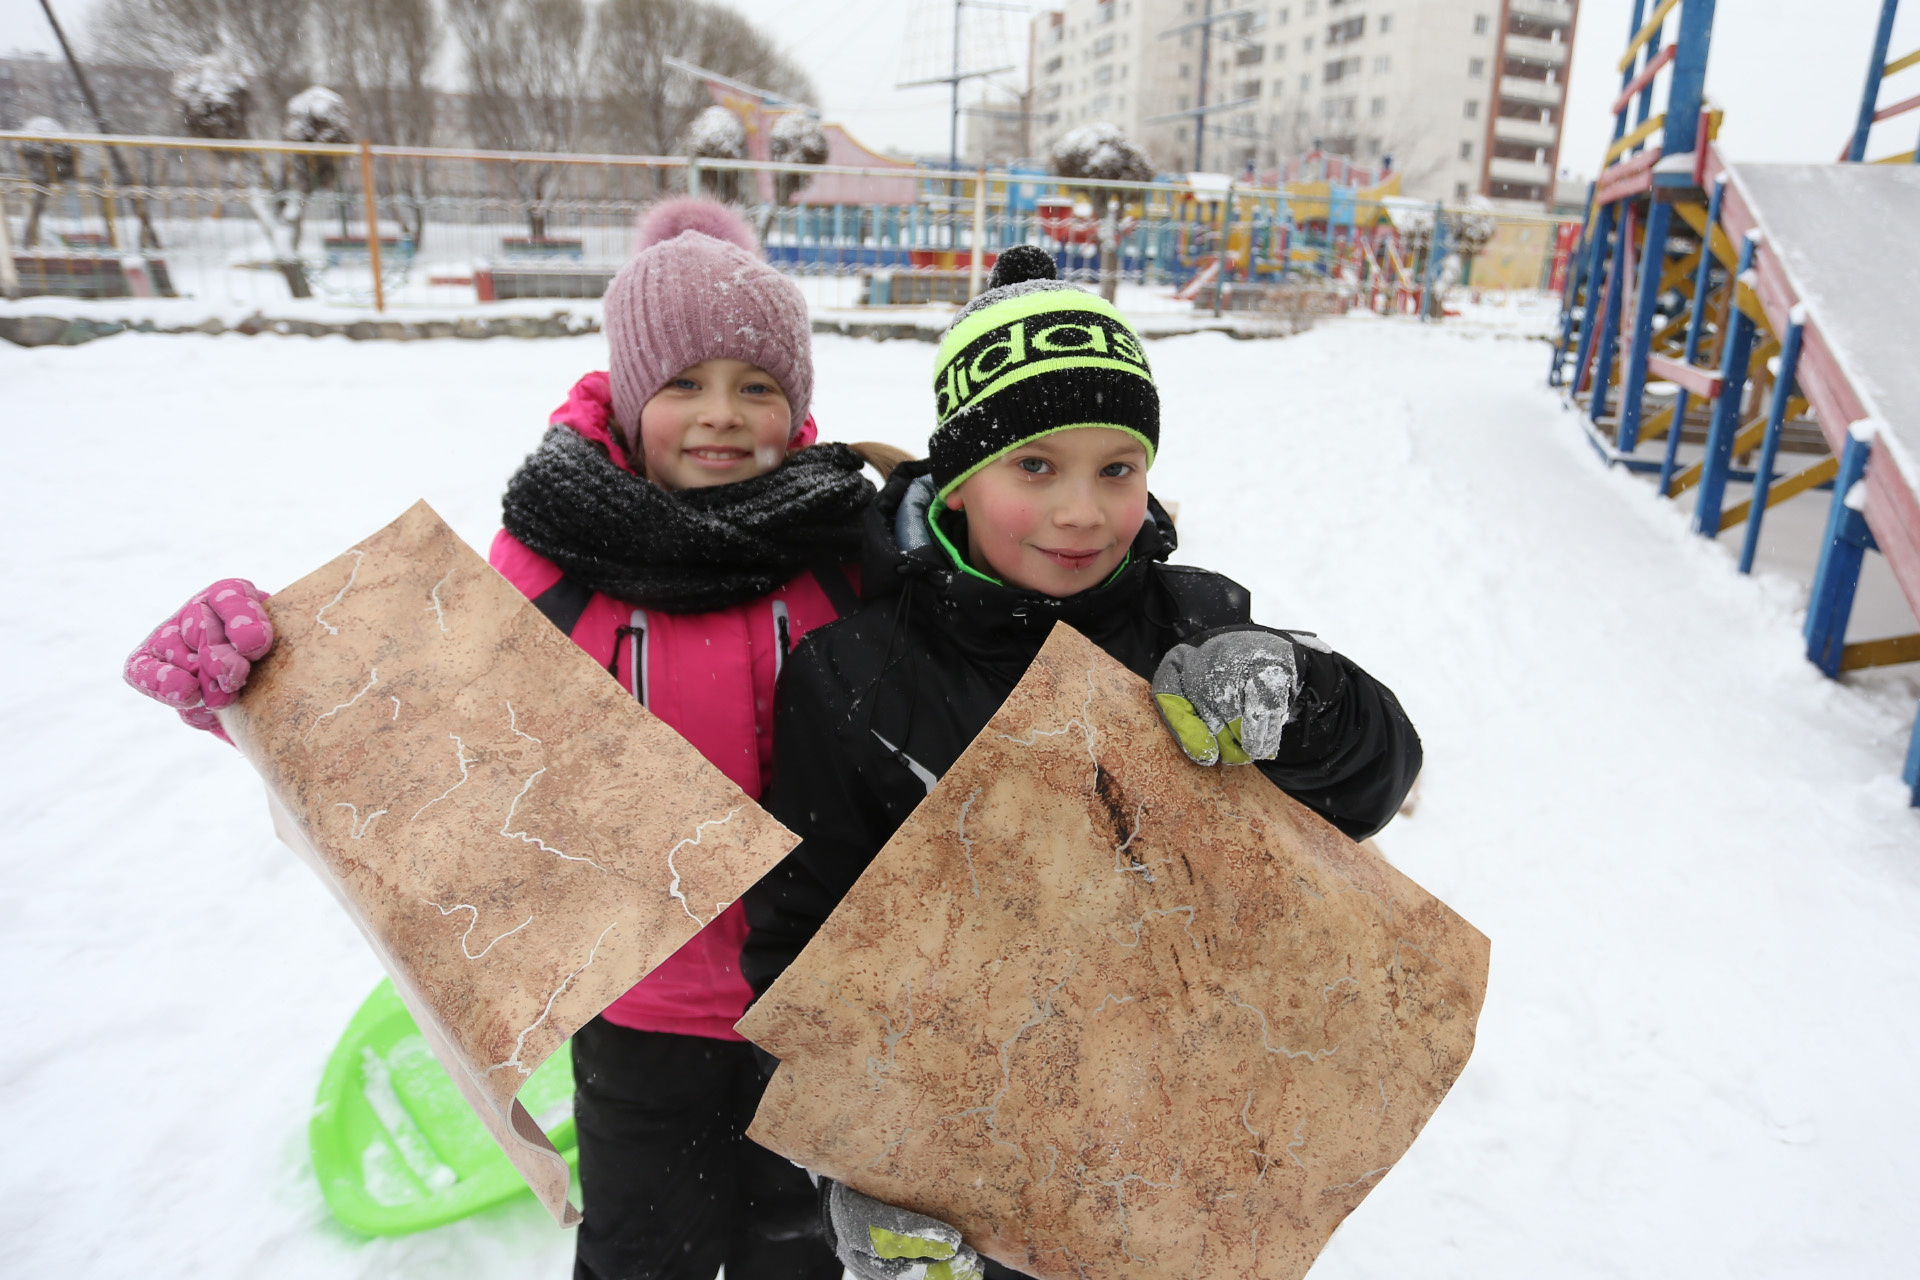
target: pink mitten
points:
(199, 659)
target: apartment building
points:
(1465, 96)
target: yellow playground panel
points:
(1517, 256)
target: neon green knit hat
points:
(1031, 356)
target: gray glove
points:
(1228, 698)
(877, 1241)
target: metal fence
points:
(260, 223)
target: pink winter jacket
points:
(711, 677)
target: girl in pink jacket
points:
(681, 525)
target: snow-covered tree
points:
(212, 97)
(718, 134)
(317, 114)
(46, 164)
(796, 138)
(380, 56)
(525, 66)
(214, 101)
(1101, 151)
(270, 39)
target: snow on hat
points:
(1031, 356)
(696, 289)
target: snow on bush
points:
(212, 96)
(317, 114)
(39, 157)
(717, 133)
(1100, 150)
(797, 138)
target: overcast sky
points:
(1788, 72)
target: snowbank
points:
(1691, 853)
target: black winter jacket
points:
(873, 709)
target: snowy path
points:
(1690, 852)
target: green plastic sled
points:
(396, 1147)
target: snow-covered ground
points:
(1692, 854)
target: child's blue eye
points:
(759, 389)
(1117, 470)
(684, 384)
(1034, 466)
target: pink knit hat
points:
(696, 289)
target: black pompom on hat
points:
(1021, 263)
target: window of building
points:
(1306, 46)
(1466, 151)
(1104, 75)
(1279, 52)
(1378, 107)
(1382, 64)
(1279, 86)
(1473, 108)
(1052, 65)
(1103, 12)
(1247, 89)
(1341, 69)
(1306, 82)
(1103, 46)
(1459, 191)
(1312, 7)
(1386, 23)
(1185, 102)
(1480, 24)
(1476, 67)
(1185, 71)
(1248, 55)
(1100, 104)
(1341, 32)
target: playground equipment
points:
(1755, 310)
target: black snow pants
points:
(673, 1189)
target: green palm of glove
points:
(879, 1241)
(1228, 698)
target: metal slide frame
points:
(1664, 223)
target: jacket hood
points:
(897, 552)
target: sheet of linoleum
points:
(1116, 1016)
(518, 838)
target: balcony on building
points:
(1544, 93)
(1557, 13)
(1519, 172)
(1532, 132)
(1531, 49)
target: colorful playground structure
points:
(1753, 311)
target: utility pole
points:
(956, 76)
(953, 117)
(1206, 61)
(149, 239)
(1199, 114)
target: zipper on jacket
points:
(782, 629)
(636, 633)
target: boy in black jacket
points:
(1032, 509)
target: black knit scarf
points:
(689, 550)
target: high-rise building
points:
(1465, 96)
